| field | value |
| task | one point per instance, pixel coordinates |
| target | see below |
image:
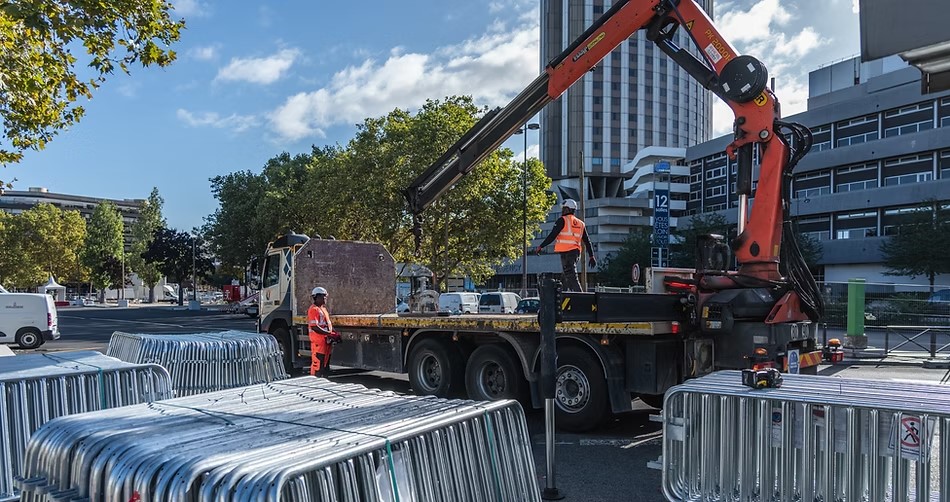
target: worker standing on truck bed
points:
(569, 231)
(321, 333)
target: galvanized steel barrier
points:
(205, 362)
(723, 441)
(301, 439)
(36, 388)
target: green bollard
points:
(856, 338)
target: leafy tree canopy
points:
(687, 237)
(616, 269)
(143, 231)
(104, 244)
(38, 39)
(356, 193)
(919, 248)
(44, 240)
(178, 254)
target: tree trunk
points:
(151, 293)
(931, 275)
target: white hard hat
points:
(318, 291)
(570, 204)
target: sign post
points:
(661, 216)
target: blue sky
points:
(254, 79)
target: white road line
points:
(123, 320)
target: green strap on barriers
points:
(100, 376)
(494, 455)
(392, 470)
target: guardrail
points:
(205, 362)
(815, 438)
(300, 439)
(37, 388)
(909, 335)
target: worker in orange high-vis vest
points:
(322, 336)
(568, 234)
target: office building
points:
(880, 148)
(17, 201)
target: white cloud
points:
(233, 122)
(265, 70)
(769, 32)
(492, 68)
(191, 8)
(206, 53)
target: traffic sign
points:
(794, 362)
(635, 273)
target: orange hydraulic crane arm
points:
(739, 80)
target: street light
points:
(524, 206)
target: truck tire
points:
(29, 338)
(580, 393)
(282, 335)
(493, 373)
(435, 369)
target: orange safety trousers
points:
(319, 353)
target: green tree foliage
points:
(47, 240)
(177, 255)
(616, 268)
(234, 229)
(687, 237)
(143, 231)
(811, 250)
(104, 246)
(38, 41)
(356, 193)
(920, 247)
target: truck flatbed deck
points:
(492, 323)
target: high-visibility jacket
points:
(571, 235)
(319, 316)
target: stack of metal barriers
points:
(205, 362)
(814, 438)
(302, 439)
(36, 388)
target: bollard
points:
(547, 318)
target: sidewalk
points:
(908, 353)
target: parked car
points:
(941, 296)
(27, 319)
(498, 302)
(528, 306)
(459, 303)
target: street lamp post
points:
(524, 207)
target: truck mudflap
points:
(805, 360)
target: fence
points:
(815, 438)
(888, 304)
(300, 439)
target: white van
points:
(27, 319)
(459, 303)
(498, 302)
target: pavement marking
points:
(645, 438)
(124, 320)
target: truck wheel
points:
(492, 373)
(434, 369)
(282, 335)
(580, 390)
(29, 338)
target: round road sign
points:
(635, 273)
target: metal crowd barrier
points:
(205, 362)
(723, 441)
(302, 439)
(36, 388)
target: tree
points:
(687, 237)
(177, 254)
(811, 250)
(12, 257)
(143, 231)
(471, 228)
(919, 248)
(233, 229)
(49, 240)
(616, 268)
(104, 246)
(37, 64)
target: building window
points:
(596, 161)
(716, 191)
(597, 131)
(695, 195)
(909, 128)
(867, 119)
(909, 159)
(856, 168)
(856, 233)
(717, 172)
(906, 179)
(806, 193)
(920, 107)
(715, 207)
(856, 139)
(855, 186)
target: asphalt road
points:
(609, 464)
